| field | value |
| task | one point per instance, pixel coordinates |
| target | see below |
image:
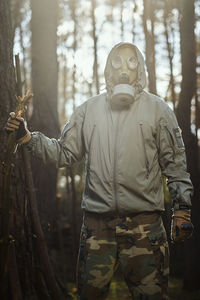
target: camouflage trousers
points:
(138, 243)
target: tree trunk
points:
(64, 74)
(7, 103)
(94, 37)
(188, 60)
(134, 22)
(148, 15)
(192, 246)
(121, 20)
(170, 56)
(73, 8)
(16, 257)
(7, 91)
(44, 82)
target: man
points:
(129, 139)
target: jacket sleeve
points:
(64, 151)
(172, 160)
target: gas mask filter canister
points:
(122, 94)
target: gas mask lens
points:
(132, 63)
(117, 62)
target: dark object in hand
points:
(181, 227)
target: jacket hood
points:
(141, 77)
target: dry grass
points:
(119, 291)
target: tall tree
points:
(148, 25)
(73, 7)
(95, 39)
(45, 119)
(170, 53)
(133, 21)
(18, 278)
(188, 59)
(7, 103)
(44, 83)
(121, 3)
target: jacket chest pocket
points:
(148, 148)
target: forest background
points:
(62, 47)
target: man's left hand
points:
(182, 226)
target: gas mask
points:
(124, 65)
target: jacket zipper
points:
(170, 141)
(115, 166)
(89, 150)
(89, 161)
(145, 152)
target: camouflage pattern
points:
(138, 243)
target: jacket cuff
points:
(32, 141)
(181, 206)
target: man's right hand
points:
(23, 135)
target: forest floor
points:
(119, 291)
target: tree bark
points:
(44, 83)
(94, 37)
(170, 56)
(121, 20)
(73, 8)
(15, 274)
(188, 59)
(7, 103)
(148, 15)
